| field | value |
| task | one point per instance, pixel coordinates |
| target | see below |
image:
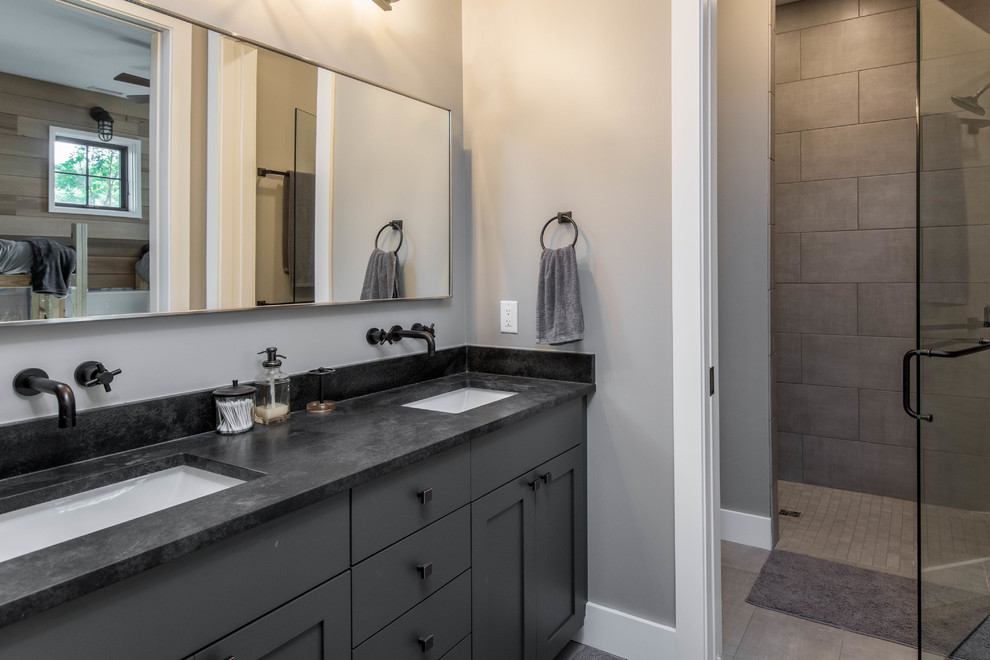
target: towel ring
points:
(397, 226)
(562, 217)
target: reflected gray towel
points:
(559, 317)
(381, 279)
(53, 264)
(304, 228)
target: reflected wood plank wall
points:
(27, 108)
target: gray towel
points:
(53, 264)
(381, 279)
(16, 257)
(559, 317)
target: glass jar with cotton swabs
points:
(235, 408)
(271, 401)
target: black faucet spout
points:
(431, 344)
(31, 382)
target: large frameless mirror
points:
(254, 179)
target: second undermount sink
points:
(462, 400)
(38, 526)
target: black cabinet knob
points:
(425, 570)
(547, 478)
(425, 643)
(535, 484)
(426, 496)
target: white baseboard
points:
(747, 529)
(626, 636)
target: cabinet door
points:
(562, 551)
(503, 566)
(314, 626)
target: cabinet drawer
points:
(499, 457)
(441, 622)
(396, 505)
(311, 626)
(394, 580)
(460, 652)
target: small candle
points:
(271, 412)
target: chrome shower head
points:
(972, 103)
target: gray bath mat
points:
(856, 599)
(873, 603)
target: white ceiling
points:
(59, 43)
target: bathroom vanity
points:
(378, 531)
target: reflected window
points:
(89, 176)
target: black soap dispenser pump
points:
(271, 401)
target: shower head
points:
(972, 103)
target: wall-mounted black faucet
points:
(396, 333)
(31, 382)
(92, 373)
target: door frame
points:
(695, 322)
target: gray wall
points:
(745, 381)
(417, 52)
(567, 108)
(845, 242)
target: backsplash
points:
(38, 444)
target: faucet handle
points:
(92, 373)
(423, 328)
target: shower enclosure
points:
(949, 388)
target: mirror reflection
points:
(298, 177)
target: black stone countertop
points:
(307, 459)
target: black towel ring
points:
(561, 217)
(397, 226)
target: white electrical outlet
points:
(509, 317)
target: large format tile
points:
(816, 206)
(886, 147)
(788, 357)
(775, 636)
(864, 43)
(865, 467)
(787, 158)
(743, 558)
(887, 310)
(790, 457)
(883, 255)
(861, 647)
(962, 425)
(955, 254)
(817, 103)
(950, 310)
(814, 410)
(787, 57)
(956, 480)
(955, 197)
(948, 143)
(867, 7)
(816, 308)
(888, 92)
(887, 202)
(787, 257)
(804, 14)
(967, 376)
(847, 361)
(882, 419)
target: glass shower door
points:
(953, 369)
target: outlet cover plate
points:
(509, 317)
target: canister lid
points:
(234, 390)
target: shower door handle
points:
(982, 344)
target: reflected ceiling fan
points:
(132, 79)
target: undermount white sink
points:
(41, 525)
(462, 400)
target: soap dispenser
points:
(271, 401)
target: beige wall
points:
(416, 48)
(284, 84)
(567, 108)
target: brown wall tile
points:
(815, 410)
(889, 92)
(883, 255)
(887, 310)
(817, 103)
(864, 43)
(856, 362)
(802, 14)
(886, 147)
(787, 158)
(882, 419)
(816, 206)
(816, 308)
(887, 202)
(787, 60)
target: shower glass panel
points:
(953, 378)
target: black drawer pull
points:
(535, 484)
(547, 478)
(426, 496)
(425, 570)
(425, 643)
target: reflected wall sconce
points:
(386, 5)
(104, 123)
